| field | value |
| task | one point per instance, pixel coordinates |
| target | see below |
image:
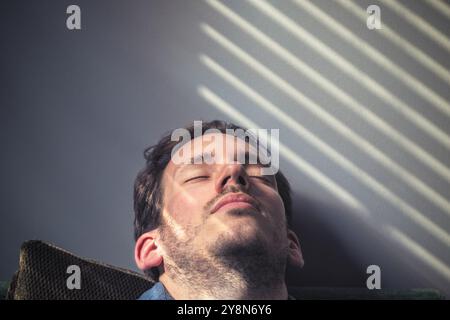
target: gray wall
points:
(77, 109)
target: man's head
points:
(201, 217)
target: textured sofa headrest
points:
(42, 274)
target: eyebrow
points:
(201, 159)
(191, 162)
(247, 154)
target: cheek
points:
(271, 200)
(278, 207)
(185, 206)
(276, 217)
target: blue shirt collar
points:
(157, 292)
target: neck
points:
(238, 289)
(213, 280)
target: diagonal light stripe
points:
(388, 65)
(287, 153)
(414, 52)
(419, 23)
(346, 100)
(330, 152)
(362, 78)
(326, 117)
(440, 6)
(419, 252)
(375, 55)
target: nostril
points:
(224, 181)
(242, 181)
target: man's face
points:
(222, 208)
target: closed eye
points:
(196, 178)
(262, 178)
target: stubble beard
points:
(239, 264)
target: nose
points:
(235, 175)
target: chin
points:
(237, 221)
(237, 213)
(239, 239)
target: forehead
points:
(225, 149)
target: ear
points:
(146, 253)
(295, 255)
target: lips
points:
(234, 198)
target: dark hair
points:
(147, 186)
